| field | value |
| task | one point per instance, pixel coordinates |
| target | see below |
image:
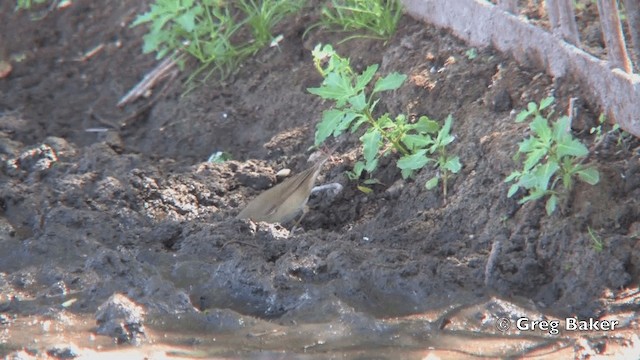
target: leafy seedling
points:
(598, 245)
(355, 105)
(213, 32)
(376, 19)
(552, 157)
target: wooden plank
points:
(633, 21)
(478, 23)
(613, 38)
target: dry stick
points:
(613, 38)
(496, 248)
(149, 80)
(568, 25)
(172, 75)
(563, 21)
(633, 22)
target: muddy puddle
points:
(491, 329)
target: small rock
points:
(63, 149)
(255, 180)
(68, 351)
(121, 319)
(283, 173)
(395, 189)
(33, 160)
(501, 101)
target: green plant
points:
(27, 4)
(620, 135)
(219, 157)
(262, 15)
(552, 154)
(598, 245)
(602, 119)
(355, 106)
(212, 31)
(471, 54)
(377, 18)
(438, 147)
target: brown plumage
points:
(282, 202)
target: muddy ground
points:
(137, 210)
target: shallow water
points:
(452, 333)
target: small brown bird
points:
(282, 202)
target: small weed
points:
(598, 245)
(602, 119)
(212, 31)
(263, 15)
(355, 106)
(377, 18)
(552, 154)
(34, 6)
(28, 4)
(620, 135)
(219, 157)
(471, 54)
(438, 147)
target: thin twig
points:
(150, 80)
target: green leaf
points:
(573, 147)
(322, 52)
(188, 20)
(540, 126)
(358, 102)
(527, 180)
(453, 165)
(385, 122)
(370, 166)
(512, 190)
(589, 175)
(389, 82)
(443, 135)
(522, 116)
(372, 182)
(366, 76)
(414, 161)
(330, 120)
(567, 180)
(561, 128)
(358, 167)
(533, 158)
(532, 107)
(347, 119)
(551, 204)
(417, 141)
(546, 102)
(529, 145)
(534, 195)
(544, 173)
(432, 183)
(406, 173)
(365, 189)
(370, 145)
(361, 120)
(514, 175)
(334, 87)
(144, 18)
(426, 125)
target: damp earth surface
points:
(117, 236)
